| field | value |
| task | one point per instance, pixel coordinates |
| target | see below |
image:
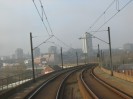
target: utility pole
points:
(98, 55)
(101, 58)
(110, 52)
(32, 57)
(77, 58)
(61, 58)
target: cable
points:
(63, 42)
(41, 17)
(114, 15)
(118, 10)
(102, 14)
(43, 42)
(43, 11)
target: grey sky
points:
(69, 20)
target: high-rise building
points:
(37, 52)
(87, 44)
(19, 53)
(52, 49)
(128, 47)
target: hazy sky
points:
(69, 20)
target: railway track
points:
(77, 83)
(51, 88)
(70, 88)
(98, 89)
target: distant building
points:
(49, 69)
(52, 49)
(28, 63)
(51, 59)
(37, 52)
(4, 58)
(19, 53)
(128, 47)
(13, 56)
(125, 67)
(1, 63)
(87, 44)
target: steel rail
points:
(58, 95)
(88, 89)
(44, 84)
(31, 96)
(110, 87)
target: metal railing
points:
(117, 69)
(13, 81)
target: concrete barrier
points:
(123, 76)
(106, 70)
(119, 75)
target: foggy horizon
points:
(69, 20)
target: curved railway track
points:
(77, 83)
(51, 88)
(98, 89)
(69, 88)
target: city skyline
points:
(69, 21)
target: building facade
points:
(128, 47)
(37, 52)
(19, 53)
(52, 49)
(87, 44)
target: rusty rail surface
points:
(52, 80)
(110, 87)
(60, 92)
(85, 90)
(88, 89)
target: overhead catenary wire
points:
(118, 10)
(102, 14)
(43, 42)
(62, 42)
(114, 15)
(41, 17)
(43, 12)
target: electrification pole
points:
(32, 57)
(61, 58)
(98, 55)
(77, 58)
(101, 58)
(110, 52)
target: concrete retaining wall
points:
(105, 70)
(119, 75)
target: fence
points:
(13, 81)
(121, 75)
(126, 72)
(116, 69)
